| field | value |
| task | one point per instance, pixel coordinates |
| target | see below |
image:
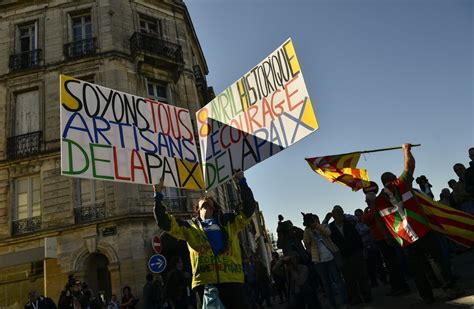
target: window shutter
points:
(27, 112)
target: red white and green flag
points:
(409, 215)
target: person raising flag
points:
(408, 223)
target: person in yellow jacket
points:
(214, 247)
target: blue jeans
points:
(328, 274)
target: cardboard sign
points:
(112, 135)
(264, 112)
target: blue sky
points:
(379, 73)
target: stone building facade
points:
(50, 225)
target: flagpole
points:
(384, 149)
(376, 150)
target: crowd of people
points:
(353, 253)
(330, 263)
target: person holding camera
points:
(214, 248)
(72, 296)
(425, 186)
(353, 267)
(323, 251)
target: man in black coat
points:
(36, 301)
(354, 268)
(469, 176)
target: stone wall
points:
(128, 207)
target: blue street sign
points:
(157, 263)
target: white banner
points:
(264, 112)
(112, 135)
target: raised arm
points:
(327, 218)
(246, 194)
(165, 221)
(159, 210)
(242, 218)
(307, 239)
(324, 229)
(409, 160)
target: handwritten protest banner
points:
(112, 135)
(264, 112)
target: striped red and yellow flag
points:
(341, 169)
(455, 224)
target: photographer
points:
(323, 251)
(354, 269)
(425, 186)
(72, 296)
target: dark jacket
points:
(469, 179)
(66, 300)
(176, 284)
(43, 303)
(148, 299)
(350, 242)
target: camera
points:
(421, 180)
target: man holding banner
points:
(409, 225)
(214, 248)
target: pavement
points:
(463, 267)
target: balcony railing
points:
(141, 42)
(24, 145)
(89, 213)
(82, 48)
(177, 204)
(28, 225)
(25, 60)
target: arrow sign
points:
(156, 244)
(157, 263)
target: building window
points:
(25, 139)
(158, 91)
(82, 41)
(27, 112)
(28, 37)
(89, 192)
(27, 197)
(175, 199)
(149, 25)
(37, 268)
(81, 27)
(89, 200)
(27, 205)
(27, 53)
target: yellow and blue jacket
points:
(209, 267)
